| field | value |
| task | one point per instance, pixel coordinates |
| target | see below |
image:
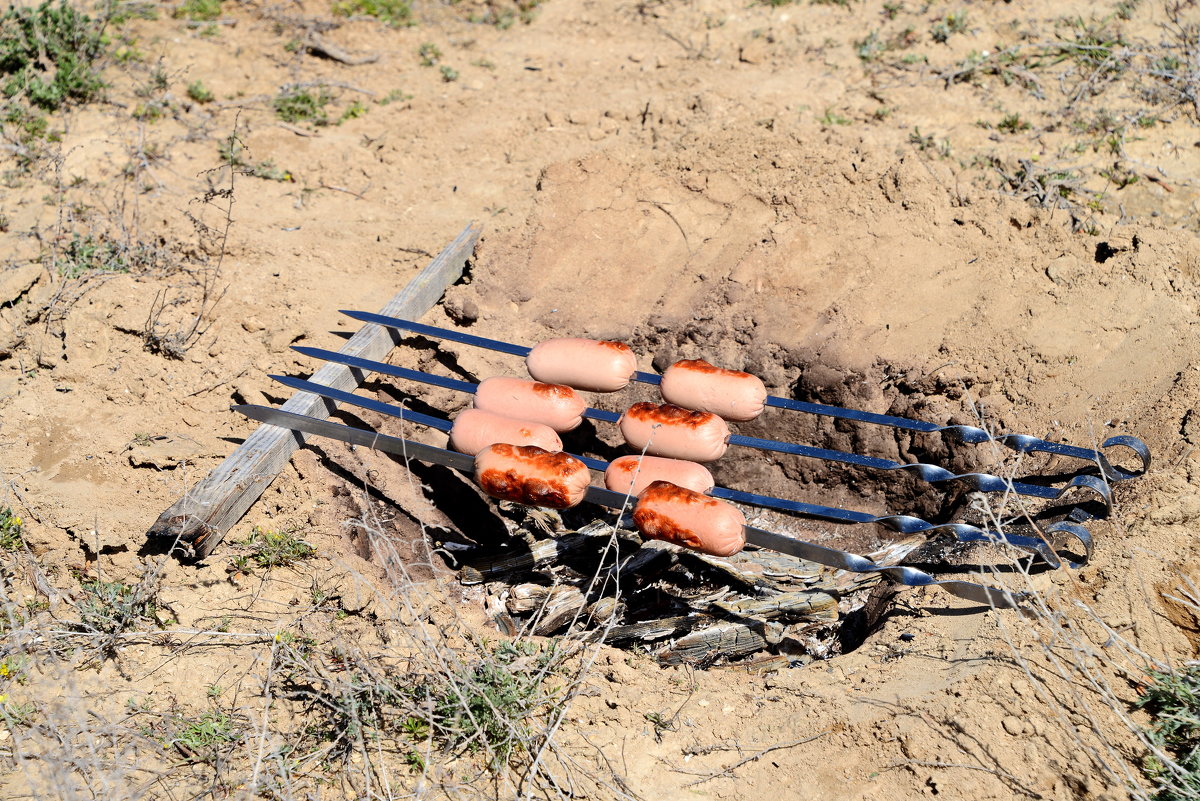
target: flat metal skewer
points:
(904, 524)
(830, 557)
(972, 435)
(984, 482)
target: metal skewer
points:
(972, 435)
(904, 524)
(984, 482)
(907, 576)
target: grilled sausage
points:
(666, 430)
(532, 476)
(590, 364)
(696, 384)
(555, 405)
(674, 514)
(475, 429)
(632, 474)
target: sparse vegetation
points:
(429, 54)
(11, 527)
(1173, 701)
(199, 92)
(199, 10)
(270, 549)
(49, 55)
(393, 12)
(114, 607)
(301, 105)
(89, 254)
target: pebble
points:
(1013, 725)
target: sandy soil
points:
(745, 184)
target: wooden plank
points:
(197, 522)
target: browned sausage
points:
(674, 514)
(696, 384)
(625, 475)
(555, 405)
(532, 476)
(594, 365)
(666, 430)
(475, 429)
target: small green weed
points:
(301, 105)
(199, 10)
(199, 92)
(202, 738)
(490, 705)
(831, 118)
(952, 23)
(11, 527)
(270, 549)
(393, 12)
(49, 55)
(113, 607)
(449, 74)
(232, 153)
(1012, 123)
(1173, 702)
(394, 96)
(353, 111)
(429, 54)
(88, 254)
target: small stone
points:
(252, 325)
(1013, 725)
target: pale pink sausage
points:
(666, 430)
(625, 475)
(674, 514)
(475, 429)
(532, 476)
(594, 365)
(555, 405)
(696, 384)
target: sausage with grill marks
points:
(666, 430)
(589, 364)
(532, 476)
(696, 384)
(475, 429)
(683, 517)
(632, 474)
(555, 405)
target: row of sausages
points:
(512, 431)
(664, 510)
(601, 366)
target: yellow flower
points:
(4, 669)
(3, 698)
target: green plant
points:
(429, 54)
(201, 739)
(952, 23)
(301, 105)
(199, 92)
(449, 73)
(232, 152)
(113, 607)
(393, 12)
(870, 47)
(830, 118)
(1173, 701)
(199, 10)
(49, 55)
(88, 254)
(270, 549)
(394, 96)
(489, 705)
(353, 111)
(11, 527)
(1012, 123)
